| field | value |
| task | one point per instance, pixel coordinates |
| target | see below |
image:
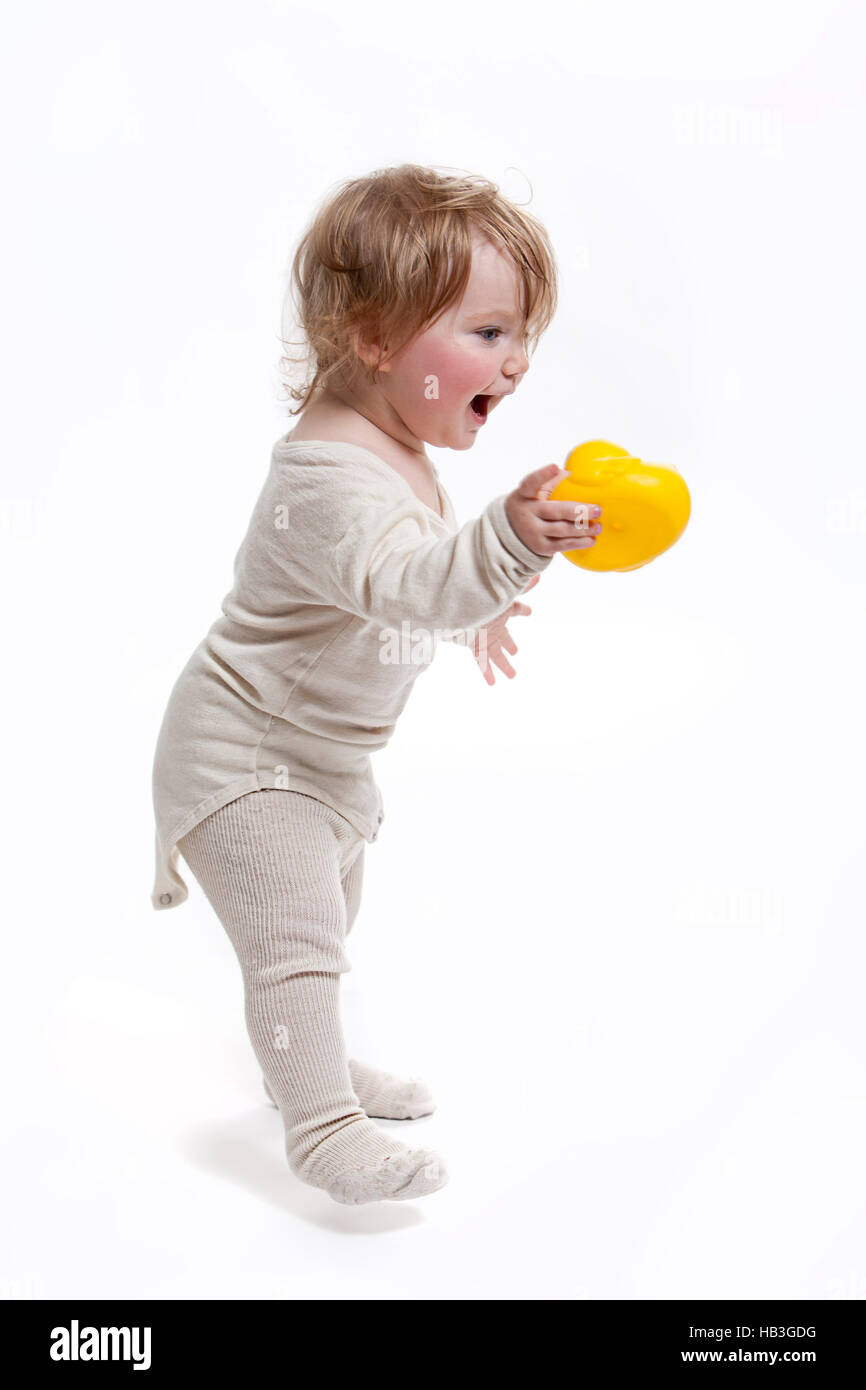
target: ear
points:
(368, 351)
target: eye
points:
(489, 330)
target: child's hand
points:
(494, 636)
(547, 527)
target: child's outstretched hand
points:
(488, 645)
(545, 527)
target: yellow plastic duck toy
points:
(645, 506)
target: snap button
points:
(165, 897)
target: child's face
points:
(430, 383)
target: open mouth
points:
(478, 406)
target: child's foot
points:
(413, 1174)
(359, 1163)
(383, 1096)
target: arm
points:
(391, 571)
(357, 545)
(367, 550)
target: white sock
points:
(383, 1096)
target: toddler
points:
(419, 295)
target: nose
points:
(518, 365)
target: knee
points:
(277, 969)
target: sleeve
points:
(389, 569)
(354, 542)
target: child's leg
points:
(380, 1094)
(351, 883)
(273, 864)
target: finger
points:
(568, 528)
(486, 669)
(504, 664)
(534, 580)
(496, 656)
(542, 478)
(577, 543)
(568, 511)
(543, 492)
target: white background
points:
(615, 915)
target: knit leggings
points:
(283, 872)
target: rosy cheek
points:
(455, 374)
(434, 372)
(462, 382)
(450, 388)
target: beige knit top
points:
(343, 586)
